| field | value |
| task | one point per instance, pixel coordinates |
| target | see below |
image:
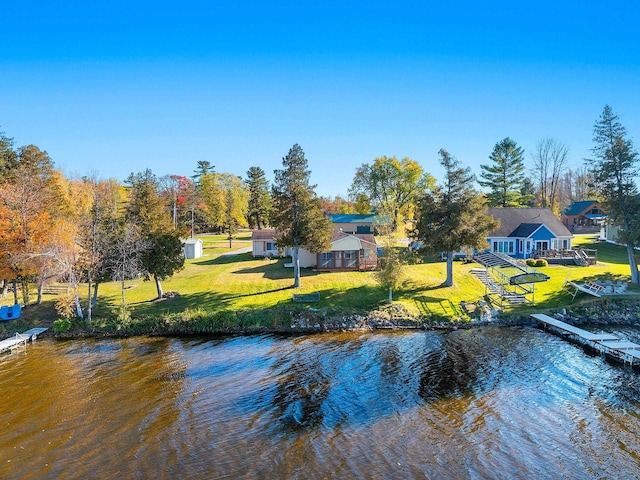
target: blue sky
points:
(111, 88)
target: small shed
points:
(192, 248)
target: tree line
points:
(87, 231)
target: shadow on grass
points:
(276, 271)
(226, 259)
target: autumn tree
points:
(297, 212)
(97, 211)
(504, 175)
(453, 215)
(390, 184)
(32, 204)
(259, 202)
(176, 191)
(338, 204)
(615, 168)
(234, 204)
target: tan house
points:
(349, 251)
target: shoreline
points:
(603, 312)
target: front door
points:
(542, 245)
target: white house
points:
(192, 248)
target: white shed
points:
(192, 248)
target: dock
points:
(607, 343)
(20, 339)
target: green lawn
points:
(258, 290)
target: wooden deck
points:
(607, 343)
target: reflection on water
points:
(481, 403)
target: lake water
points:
(489, 402)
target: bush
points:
(532, 262)
(541, 262)
(61, 325)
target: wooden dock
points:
(20, 339)
(607, 343)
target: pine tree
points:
(148, 211)
(259, 198)
(297, 210)
(453, 215)
(505, 176)
(615, 167)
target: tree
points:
(392, 263)
(94, 221)
(453, 215)
(615, 168)
(32, 204)
(203, 167)
(549, 164)
(125, 259)
(390, 184)
(234, 204)
(175, 190)
(338, 204)
(148, 212)
(504, 177)
(163, 257)
(297, 210)
(259, 203)
(8, 154)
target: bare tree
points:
(125, 261)
(550, 162)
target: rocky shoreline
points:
(393, 317)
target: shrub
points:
(532, 262)
(541, 262)
(61, 325)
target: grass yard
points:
(258, 290)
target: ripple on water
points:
(481, 403)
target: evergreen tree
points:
(259, 199)
(505, 175)
(453, 215)
(148, 211)
(297, 210)
(203, 167)
(615, 168)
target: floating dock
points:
(607, 343)
(20, 339)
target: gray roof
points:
(522, 222)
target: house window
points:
(269, 246)
(503, 246)
(350, 258)
(326, 260)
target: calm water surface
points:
(492, 402)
